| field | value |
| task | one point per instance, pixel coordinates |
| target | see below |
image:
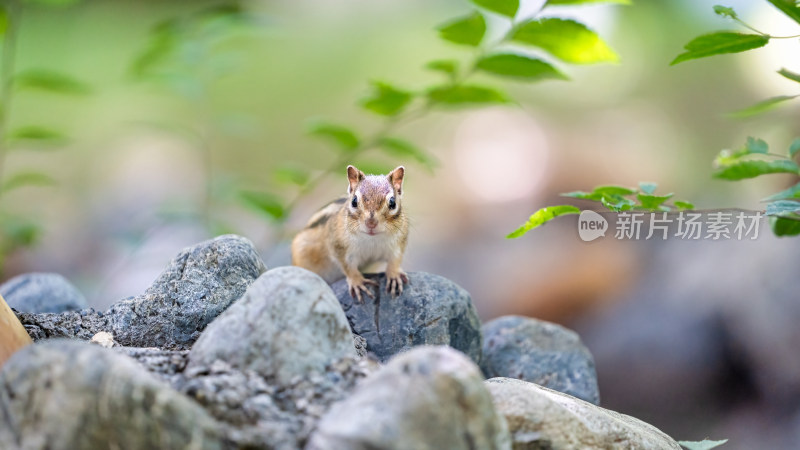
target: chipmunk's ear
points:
(354, 176)
(396, 178)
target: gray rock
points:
(361, 346)
(165, 364)
(540, 418)
(427, 398)
(42, 293)
(257, 413)
(287, 324)
(262, 415)
(72, 395)
(540, 352)
(244, 400)
(71, 324)
(432, 310)
(200, 283)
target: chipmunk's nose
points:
(371, 222)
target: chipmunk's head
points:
(373, 203)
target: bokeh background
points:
(698, 338)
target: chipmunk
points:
(365, 227)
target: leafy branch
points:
(507, 57)
(184, 55)
(17, 231)
(722, 42)
(750, 161)
(753, 160)
(613, 198)
(747, 162)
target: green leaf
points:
(4, 19)
(344, 137)
(386, 100)
(567, 40)
(613, 190)
(761, 106)
(518, 66)
(755, 145)
(794, 148)
(792, 192)
(541, 217)
(652, 202)
(467, 30)
(448, 66)
(291, 175)
(38, 134)
(648, 188)
(582, 195)
(719, 43)
(682, 205)
(163, 41)
(507, 8)
(221, 18)
(726, 158)
(17, 232)
(782, 207)
(599, 192)
(782, 226)
(50, 81)
(617, 203)
(741, 170)
(702, 445)
(404, 149)
(788, 7)
(790, 75)
(465, 95)
(584, 2)
(265, 203)
(725, 11)
(24, 179)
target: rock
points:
(42, 293)
(71, 395)
(538, 417)
(287, 324)
(432, 310)
(103, 339)
(164, 364)
(245, 400)
(200, 283)
(427, 398)
(262, 415)
(361, 346)
(540, 352)
(71, 324)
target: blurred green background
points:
(155, 163)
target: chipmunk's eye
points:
(392, 203)
(354, 203)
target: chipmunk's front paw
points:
(359, 285)
(394, 282)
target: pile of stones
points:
(221, 353)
